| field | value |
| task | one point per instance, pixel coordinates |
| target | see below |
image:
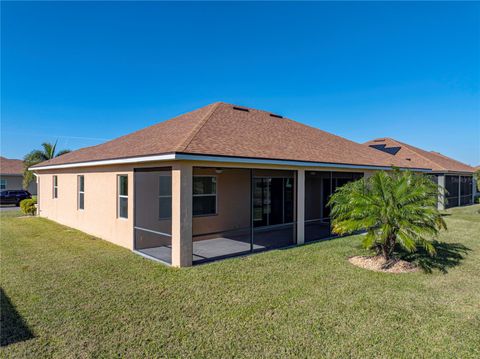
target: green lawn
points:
(67, 294)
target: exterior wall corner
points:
(182, 245)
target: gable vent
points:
(276, 116)
(241, 109)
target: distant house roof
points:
(222, 129)
(10, 166)
(418, 157)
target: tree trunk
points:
(389, 246)
(386, 252)
(393, 241)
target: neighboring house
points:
(475, 180)
(452, 175)
(220, 181)
(11, 176)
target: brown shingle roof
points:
(10, 166)
(421, 158)
(223, 129)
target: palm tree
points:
(47, 152)
(393, 208)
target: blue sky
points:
(83, 73)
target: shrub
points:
(28, 206)
(393, 208)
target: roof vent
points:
(408, 159)
(379, 140)
(241, 109)
(276, 116)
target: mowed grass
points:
(73, 295)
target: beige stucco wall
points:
(15, 182)
(233, 202)
(99, 217)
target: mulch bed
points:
(378, 264)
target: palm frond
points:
(36, 156)
(49, 149)
(394, 208)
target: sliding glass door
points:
(273, 201)
(261, 202)
(273, 209)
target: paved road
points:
(9, 208)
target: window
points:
(55, 187)
(122, 189)
(165, 197)
(3, 183)
(204, 195)
(81, 192)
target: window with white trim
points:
(165, 196)
(3, 183)
(122, 190)
(81, 192)
(204, 195)
(55, 187)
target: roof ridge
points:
(183, 146)
(411, 148)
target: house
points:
(451, 175)
(216, 182)
(475, 180)
(11, 175)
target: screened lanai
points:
(319, 186)
(235, 211)
(153, 213)
(238, 211)
(459, 190)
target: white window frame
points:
(206, 195)
(79, 192)
(3, 183)
(121, 196)
(164, 196)
(55, 187)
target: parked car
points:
(14, 197)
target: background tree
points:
(47, 152)
(393, 208)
